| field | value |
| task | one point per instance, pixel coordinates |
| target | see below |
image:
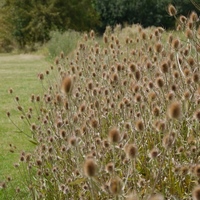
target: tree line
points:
(27, 22)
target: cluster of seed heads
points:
(120, 119)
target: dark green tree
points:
(147, 13)
(33, 20)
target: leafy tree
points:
(147, 13)
(33, 20)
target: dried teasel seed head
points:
(170, 39)
(196, 77)
(196, 193)
(168, 141)
(72, 141)
(94, 123)
(191, 61)
(175, 44)
(194, 17)
(197, 115)
(154, 153)
(160, 82)
(197, 170)
(92, 33)
(66, 85)
(170, 96)
(114, 135)
(90, 167)
(105, 38)
(10, 91)
(115, 185)
(158, 47)
(189, 33)
(3, 185)
(110, 167)
(164, 67)
(183, 19)
(131, 151)
(174, 110)
(139, 125)
(172, 10)
(156, 111)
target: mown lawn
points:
(18, 72)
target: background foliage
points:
(32, 21)
(28, 22)
(147, 13)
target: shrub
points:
(64, 42)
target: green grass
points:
(18, 72)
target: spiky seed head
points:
(193, 150)
(175, 44)
(194, 17)
(196, 193)
(170, 39)
(168, 141)
(105, 38)
(132, 67)
(189, 33)
(186, 94)
(66, 85)
(158, 47)
(176, 74)
(170, 95)
(106, 144)
(92, 34)
(184, 170)
(172, 10)
(143, 35)
(164, 67)
(161, 126)
(90, 167)
(154, 153)
(109, 167)
(186, 72)
(94, 123)
(137, 75)
(72, 141)
(90, 85)
(183, 19)
(191, 61)
(115, 185)
(156, 111)
(174, 87)
(131, 151)
(139, 125)
(151, 96)
(114, 135)
(160, 82)
(197, 115)
(197, 170)
(174, 110)
(196, 77)
(138, 97)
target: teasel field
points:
(119, 118)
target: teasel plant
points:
(118, 118)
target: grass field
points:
(18, 72)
